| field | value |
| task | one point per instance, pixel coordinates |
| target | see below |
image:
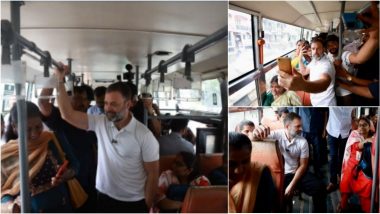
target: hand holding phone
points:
(62, 169)
(284, 64)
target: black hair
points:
(290, 117)
(282, 110)
(122, 88)
(318, 39)
(245, 123)
(274, 79)
(368, 121)
(89, 92)
(100, 91)
(239, 141)
(31, 112)
(177, 125)
(191, 162)
(80, 90)
(332, 38)
(132, 87)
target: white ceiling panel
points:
(102, 37)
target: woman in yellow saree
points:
(251, 184)
(48, 190)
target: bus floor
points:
(303, 203)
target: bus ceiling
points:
(102, 37)
(314, 15)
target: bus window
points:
(240, 52)
(280, 38)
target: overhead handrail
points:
(7, 31)
(197, 47)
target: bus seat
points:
(166, 162)
(206, 199)
(267, 152)
(208, 162)
(304, 97)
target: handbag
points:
(77, 194)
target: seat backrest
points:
(208, 162)
(166, 162)
(267, 152)
(206, 199)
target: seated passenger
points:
(173, 184)
(283, 97)
(251, 184)
(295, 150)
(48, 190)
(218, 176)
(246, 127)
(174, 143)
(357, 168)
(321, 77)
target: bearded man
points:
(128, 153)
(295, 151)
(321, 80)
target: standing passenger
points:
(338, 129)
(128, 153)
(98, 109)
(321, 81)
(83, 142)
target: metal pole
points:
(137, 76)
(343, 4)
(21, 115)
(204, 43)
(375, 178)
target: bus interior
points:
(174, 51)
(278, 26)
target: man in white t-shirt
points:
(321, 80)
(295, 151)
(128, 153)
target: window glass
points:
(240, 52)
(280, 38)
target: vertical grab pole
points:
(21, 113)
(342, 8)
(260, 43)
(375, 174)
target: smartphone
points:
(62, 169)
(351, 21)
(284, 64)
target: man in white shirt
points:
(338, 129)
(295, 150)
(174, 143)
(321, 80)
(128, 153)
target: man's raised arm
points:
(75, 118)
